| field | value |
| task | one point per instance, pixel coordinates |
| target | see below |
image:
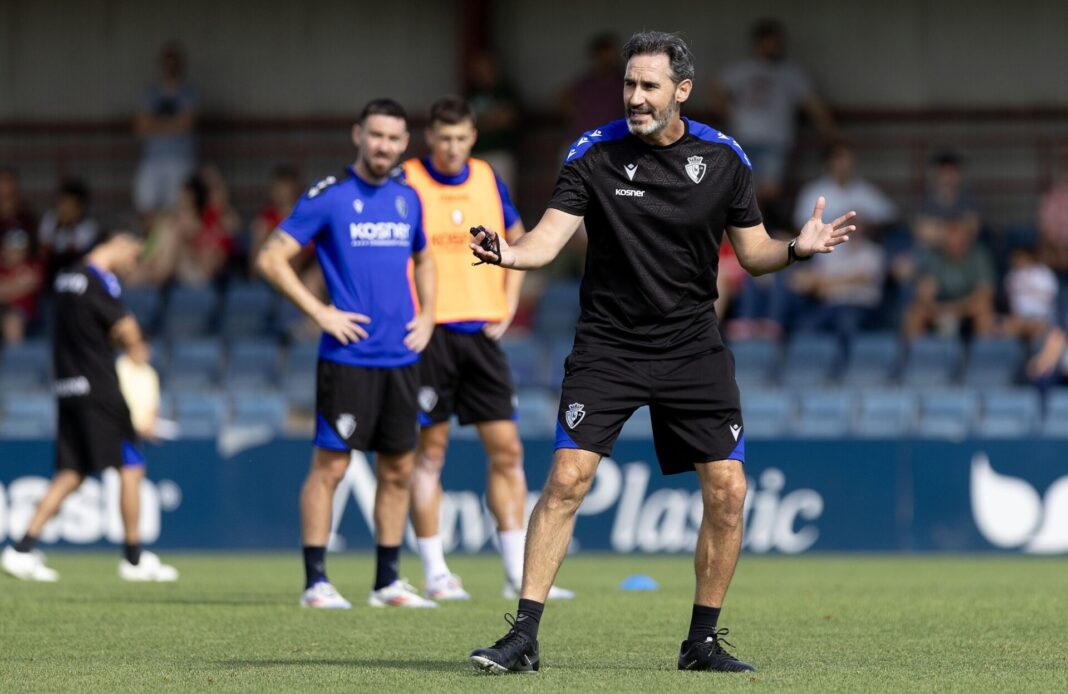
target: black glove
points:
(491, 243)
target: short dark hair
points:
(671, 45)
(122, 225)
(451, 110)
(767, 28)
(75, 188)
(285, 172)
(195, 184)
(383, 107)
(946, 158)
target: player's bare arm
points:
(127, 334)
(535, 249)
(760, 254)
(421, 327)
(273, 263)
(513, 286)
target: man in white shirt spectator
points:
(845, 191)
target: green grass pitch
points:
(870, 623)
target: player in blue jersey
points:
(366, 227)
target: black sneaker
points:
(513, 652)
(709, 655)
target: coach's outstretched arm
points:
(273, 263)
(537, 247)
(760, 254)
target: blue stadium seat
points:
(27, 416)
(756, 362)
(993, 362)
(190, 312)
(525, 356)
(253, 365)
(248, 309)
(932, 362)
(947, 413)
(261, 409)
(1010, 413)
(886, 413)
(873, 360)
(144, 303)
(26, 367)
(201, 415)
(825, 414)
(298, 379)
(558, 310)
(812, 359)
(536, 409)
(639, 426)
(1055, 422)
(767, 414)
(195, 366)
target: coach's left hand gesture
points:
(420, 329)
(818, 236)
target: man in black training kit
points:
(94, 429)
(656, 192)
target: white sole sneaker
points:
(148, 570)
(324, 596)
(27, 566)
(399, 594)
(509, 592)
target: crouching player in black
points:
(95, 431)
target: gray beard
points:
(655, 126)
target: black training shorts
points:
(693, 401)
(366, 409)
(93, 436)
(465, 374)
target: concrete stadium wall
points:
(90, 59)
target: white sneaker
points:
(511, 592)
(27, 566)
(446, 587)
(148, 569)
(324, 596)
(398, 594)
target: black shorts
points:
(465, 374)
(693, 402)
(92, 436)
(365, 409)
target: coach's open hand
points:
(507, 258)
(818, 237)
(343, 325)
(420, 329)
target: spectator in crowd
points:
(845, 191)
(758, 99)
(285, 189)
(946, 198)
(1031, 289)
(208, 229)
(165, 124)
(843, 295)
(955, 287)
(67, 232)
(497, 114)
(763, 307)
(21, 278)
(15, 215)
(594, 98)
(1053, 227)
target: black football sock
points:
(132, 553)
(386, 567)
(314, 566)
(702, 623)
(26, 543)
(528, 617)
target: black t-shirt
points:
(87, 306)
(655, 218)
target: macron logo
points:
(630, 169)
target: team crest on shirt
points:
(346, 425)
(576, 412)
(696, 169)
(457, 217)
(357, 205)
(428, 399)
(402, 207)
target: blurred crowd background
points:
(946, 314)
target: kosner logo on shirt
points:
(380, 234)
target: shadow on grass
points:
(450, 665)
